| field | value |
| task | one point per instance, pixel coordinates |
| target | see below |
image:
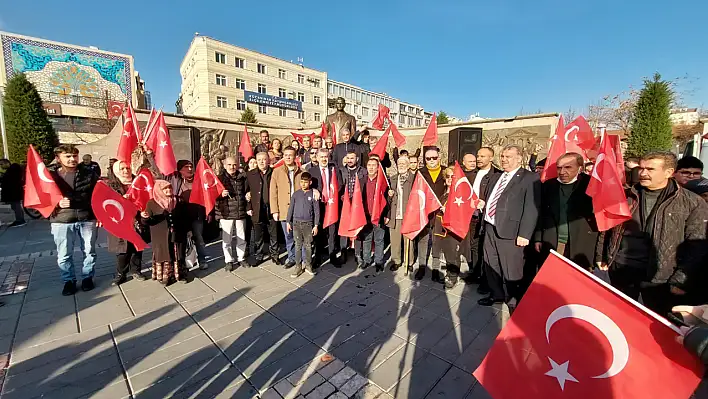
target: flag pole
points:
(406, 248)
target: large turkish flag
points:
(206, 187)
(609, 200)
(421, 202)
(41, 191)
(574, 337)
(140, 191)
(117, 214)
(461, 204)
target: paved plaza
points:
(255, 332)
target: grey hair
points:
(262, 153)
(323, 151)
(513, 147)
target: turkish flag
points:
(129, 138)
(379, 196)
(148, 127)
(244, 146)
(140, 191)
(430, 138)
(615, 143)
(334, 134)
(380, 147)
(421, 203)
(164, 156)
(41, 191)
(299, 137)
(581, 132)
(206, 187)
(609, 200)
(564, 141)
(114, 109)
(461, 204)
(117, 214)
(354, 209)
(381, 116)
(397, 136)
(331, 215)
(573, 336)
(323, 131)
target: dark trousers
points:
(19, 211)
(657, 297)
(424, 246)
(327, 243)
(500, 255)
(302, 235)
(514, 289)
(129, 261)
(198, 237)
(362, 245)
(269, 227)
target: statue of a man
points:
(340, 119)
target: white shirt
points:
(478, 180)
(509, 176)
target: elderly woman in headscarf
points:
(129, 260)
(168, 233)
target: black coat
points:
(343, 179)
(13, 184)
(166, 229)
(517, 207)
(582, 228)
(80, 196)
(259, 194)
(235, 205)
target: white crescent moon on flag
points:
(618, 342)
(115, 204)
(600, 158)
(468, 183)
(423, 215)
(42, 172)
(572, 129)
(204, 173)
(147, 183)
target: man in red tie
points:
(326, 243)
(510, 203)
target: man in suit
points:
(567, 221)
(398, 193)
(322, 174)
(258, 207)
(510, 203)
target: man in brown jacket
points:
(282, 186)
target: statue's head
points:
(340, 103)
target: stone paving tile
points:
(475, 352)
(150, 297)
(252, 361)
(397, 366)
(375, 354)
(193, 290)
(103, 306)
(222, 281)
(454, 384)
(421, 379)
(266, 377)
(452, 345)
(478, 392)
(321, 391)
(143, 357)
(370, 391)
(353, 385)
(244, 330)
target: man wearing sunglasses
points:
(432, 173)
(687, 169)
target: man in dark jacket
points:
(89, 162)
(566, 221)
(74, 217)
(13, 192)
(323, 174)
(347, 145)
(231, 214)
(347, 178)
(432, 173)
(258, 207)
(658, 251)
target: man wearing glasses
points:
(687, 169)
(432, 173)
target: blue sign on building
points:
(272, 101)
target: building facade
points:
(220, 80)
(78, 85)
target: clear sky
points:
(493, 57)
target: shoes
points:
(17, 224)
(450, 282)
(203, 265)
(420, 273)
(310, 270)
(297, 271)
(378, 269)
(289, 264)
(69, 288)
(118, 280)
(472, 280)
(482, 290)
(489, 301)
(361, 266)
(244, 264)
(277, 261)
(87, 284)
(139, 276)
(258, 259)
(229, 267)
(438, 277)
(394, 266)
(183, 280)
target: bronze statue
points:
(340, 119)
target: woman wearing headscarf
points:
(168, 232)
(128, 259)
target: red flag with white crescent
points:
(355, 215)
(461, 204)
(331, 215)
(381, 145)
(41, 191)
(381, 116)
(206, 187)
(609, 200)
(245, 147)
(581, 132)
(421, 203)
(430, 138)
(129, 138)
(117, 214)
(379, 196)
(140, 191)
(115, 109)
(164, 155)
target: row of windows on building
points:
(223, 102)
(358, 95)
(263, 69)
(222, 80)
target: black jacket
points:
(343, 179)
(582, 228)
(13, 184)
(341, 150)
(234, 206)
(79, 209)
(517, 207)
(259, 194)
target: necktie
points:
(325, 183)
(493, 204)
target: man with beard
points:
(264, 146)
(347, 178)
(283, 185)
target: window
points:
(281, 73)
(410, 109)
(240, 63)
(356, 109)
(282, 112)
(410, 121)
(261, 88)
(262, 109)
(220, 58)
(317, 116)
(417, 122)
(240, 105)
(330, 88)
(301, 115)
(301, 97)
(358, 95)
(241, 84)
(316, 100)
(341, 91)
(348, 93)
(281, 93)
(220, 80)
(401, 119)
(300, 78)
(261, 68)
(364, 111)
(222, 102)
(403, 108)
(316, 82)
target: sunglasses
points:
(431, 158)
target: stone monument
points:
(340, 119)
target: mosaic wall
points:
(66, 70)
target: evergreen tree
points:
(248, 116)
(651, 124)
(442, 118)
(26, 122)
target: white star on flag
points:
(114, 220)
(330, 201)
(163, 143)
(560, 372)
(459, 201)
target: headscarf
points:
(167, 203)
(116, 172)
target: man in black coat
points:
(323, 173)
(13, 192)
(231, 214)
(510, 203)
(346, 177)
(347, 145)
(258, 196)
(433, 175)
(567, 222)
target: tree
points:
(442, 118)
(651, 123)
(26, 121)
(248, 116)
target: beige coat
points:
(280, 190)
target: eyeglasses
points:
(431, 158)
(689, 174)
(448, 177)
